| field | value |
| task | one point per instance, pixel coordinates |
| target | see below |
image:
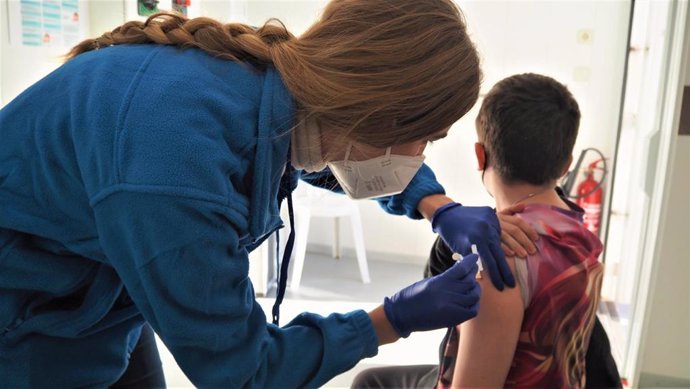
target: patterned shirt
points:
(560, 286)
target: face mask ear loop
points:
(388, 152)
(486, 164)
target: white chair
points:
(315, 202)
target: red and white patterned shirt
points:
(560, 287)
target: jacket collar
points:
(271, 161)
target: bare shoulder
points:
(496, 302)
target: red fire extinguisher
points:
(589, 197)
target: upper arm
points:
(487, 342)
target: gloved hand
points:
(445, 300)
(461, 226)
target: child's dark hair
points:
(528, 124)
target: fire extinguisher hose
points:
(571, 177)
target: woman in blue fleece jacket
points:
(136, 178)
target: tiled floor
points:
(328, 279)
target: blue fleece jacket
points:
(134, 180)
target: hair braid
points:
(233, 41)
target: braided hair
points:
(232, 41)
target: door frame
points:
(676, 52)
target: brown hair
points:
(379, 72)
(528, 124)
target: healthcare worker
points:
(136, 178)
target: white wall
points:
(224, 10)
(513, 37)
(667, 345)
(105, 15)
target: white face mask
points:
(377, 177)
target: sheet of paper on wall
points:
(47, 23)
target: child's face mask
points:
(376, 177)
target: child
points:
(535, 335)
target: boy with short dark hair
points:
(537, 334)
(528, 124)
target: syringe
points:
(458, 257)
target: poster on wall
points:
(46, 23)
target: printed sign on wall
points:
(45, 22)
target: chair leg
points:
(358, 234)
(336, 252)
(302, 225)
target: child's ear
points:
(567, 166)
(481, 155)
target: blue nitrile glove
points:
(444, 300)
(461, 226)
